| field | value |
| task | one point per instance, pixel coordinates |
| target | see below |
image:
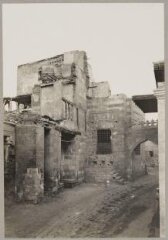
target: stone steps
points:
(116, 177)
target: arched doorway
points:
(144, 158)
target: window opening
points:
(104, 141)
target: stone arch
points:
(140, 141)
(145, 135)
(134, 139)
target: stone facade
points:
(125, 122)
(52, 93)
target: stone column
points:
(29, 162)
(160, 94)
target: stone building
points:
(69, 128)
(116, 149)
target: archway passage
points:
(142, 145)
(145, 159)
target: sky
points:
(122, 40)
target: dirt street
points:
(87, 210)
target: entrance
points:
(68, 158)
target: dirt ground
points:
(88, 210)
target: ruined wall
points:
(59, 89)
(28, 74)
(49, 97)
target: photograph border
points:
(165, 2)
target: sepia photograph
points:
(83, 120)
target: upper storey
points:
(61, 67)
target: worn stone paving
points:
(87, 210)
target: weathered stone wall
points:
(121, 115)
(68, 92)
(73, 160)
(106, 113)
(28, 73)
(71, 85)
(99, 89)
(37, 148)
(134, 114)
(29, 154)
(100, 169)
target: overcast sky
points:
(121, 40)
